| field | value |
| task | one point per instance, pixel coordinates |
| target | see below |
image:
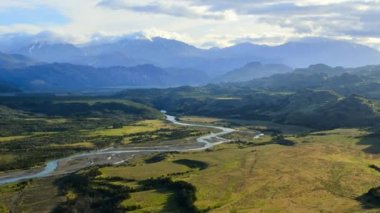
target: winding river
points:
(207, 141)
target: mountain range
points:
(42, 64)
(69, 77)
(330, 97)
(14, 61)
(252, 71)
(161, 52)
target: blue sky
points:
(198, 22)
(34, 16)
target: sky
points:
(203, 23)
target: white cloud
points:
(211, 22)
(170, 7)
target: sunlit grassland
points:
(196, 119)
(247, 124)
(150, 201)
(87, 145)
(147, 131)
(19, 137)
(346, 138)
(324, 171)
(6, 158)
(37, 196)
(320, 175)
(131, 184)
(63, 139)
(6, 194)
(139, 127)
(3, 209)
(12, 138)
(249, 138)
(143, 171)
(49, 120)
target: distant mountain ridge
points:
(216, 61)
(53, 52)
(34, 64)
(252, 71)
(330, 97)
(5, 87)
(15, 61)
(69, 77)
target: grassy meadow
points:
(289, 169)
(324, 172)
(35, 130)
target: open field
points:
(35, 130)
(197, 119)
(324, 171)
(87, 145)
(49, 120)
(264, 126)
(4, 159)
(11, 138)
(129, 132)
(35, 196)
(138, 127)
(150, 201)
(141, 172)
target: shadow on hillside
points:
(193, 164)
(371, 199)
(172, 202)
(373, 143)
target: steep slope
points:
(320, 97)
(66, 77)
(8, 61)
(318, 76)
(7, 88)
(351, 111)
(308, 51)
(53, 52)
(253, 71)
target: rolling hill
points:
(329, 97)
(69, 77)
(252, 71)
(8, 61)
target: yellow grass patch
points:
(3, 209)
(49, 120)
(323, 172)
(74, 145)
(150, 201)
(138, 127)
(144, 171)
(196, 119)
(11, 138)
(70, 196)
(6, 158)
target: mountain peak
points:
(254, 64)
(246, 45)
